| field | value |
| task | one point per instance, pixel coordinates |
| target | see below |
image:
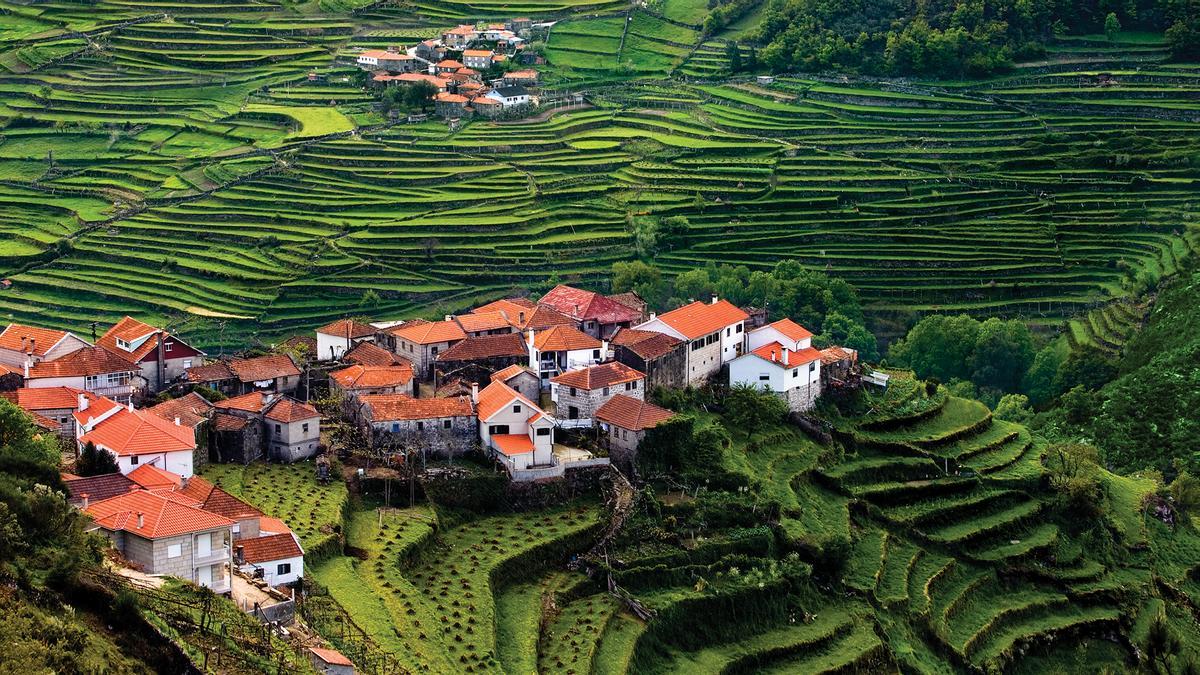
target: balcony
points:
(217, 555)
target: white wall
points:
(749, 368)
(518, 423)
(270, 570)
(767, 334)
(732, 339)
(178, 462)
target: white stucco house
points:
(715, 332)
(561, 348)
(515, 430)
(781, 360)
(135, 437)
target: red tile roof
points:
(384, 54)
(630, 413)
(47, 398)
(253, 402)
(227, 422)
(645, 343)
(215, 500)
(139, 432)
(191, 409)
(564, 338)
(588, 306)
(496, 396)
(83, 362)
(130, 330)
(698, 319)
(446, 97)
(791, 330)
(98, 406)
(371, 354)
(347, 328)
(330, 656)
(477, 52)
(164, 515)
(449, 63)
(389, 407)
(287, 410)
(43, 338)
(98, 488)
(511, 306)
(773, 352)
(270, 548)
(482, 321)
(372, 377)
(598, 377)
(430, 332)
(506, 374)
(150, 477)
(835, 354)
(545, 317)
(513, 444)
(486, 347)
(261, 368)
(212, 372)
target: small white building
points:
(341, 336)
(781, 360)
(135, 437)
(511, 96)
(277, 557)
(389, 60)
(293, 429)
(561, 348)
(715, 332)
(514, 429)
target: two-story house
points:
(715, 332)
(135, 437)
(624, 421)
(561, 348)
(293, 429)
(597, 315)
(165, 534)
(662, 357)
(160, 357)
(421, 341)
(21, 345)
(275, 373)
(781, 360)
(514, 430)
(577, 394)
(358, 380)
(437, 426)
(92, 369)
(339, 337)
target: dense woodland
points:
(954, 38)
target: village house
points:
(662, 357)
(55, 404)
(520, 24)
(447, 66)
(520, 78)
(339, 337)
(330, 661)
(479, 59)
(96, 488)
(277, 559)
(161, 357)
(624, 421)
(430, 50)
(577, 394)
(460, 36)
(442, 84)
(163, 535)
(526, 315)
(715, 333)
(371, 354)
(358, 380)
(236, 435)
(561, 348)
(450, 105)
(92, 369)
(276, 373)
(21, 345)
(293, 430)
(476, 358)
(597, 315)
(486, 107)
(522, 379)
(421, 341)
(438, 426)
(511, 97)
(515, 431)
(392, 60)
(781, 360)
(135, 437)
(192, 410)
(839, 367)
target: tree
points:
(418, 94)
(733, 53)
(664, 446)
(1074, 472)
(1013, 408)
(1002, 354)
(94, 461)
(938, 346)
(839, 329)
(751, 409)
(1185, 492)
(1039, 381)
(1086, 367)
(1112, 26)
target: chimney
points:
(24, 342)
(785, 355)
(576, 306)
(176, 421)
(449, 318)
(239, 554)
(521, 317)
(83, 401)
(714, 298)
(27, 367)
(130, 404)
(32, 345)
(141, 520)
(653, 315)
(475, 393)
(529, 336)
(85, 501)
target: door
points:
(204, 576)
(572, 413)
(204, 546)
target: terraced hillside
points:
(173, 160)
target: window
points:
(167, 346)
(739, 328)
(445, 424)
(277, 430)
(433, 351)
(304, 427)
(174, 550)
(573, 393)
(187, 363)
(498, 429)
(237, 528)
(605, 393)
(134, 459)
(630, 386)
(698, 344)
(764, 377)
(596, 354)
(420, 425)
(544, 431)
(395, 427)
(283, 568)
(517, 408)
(572, 413)
(812, 366)
(91, 382)
(728, 332)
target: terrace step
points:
(985, 525)
(860, 649)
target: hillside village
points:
(539, 389)
(471, 70)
